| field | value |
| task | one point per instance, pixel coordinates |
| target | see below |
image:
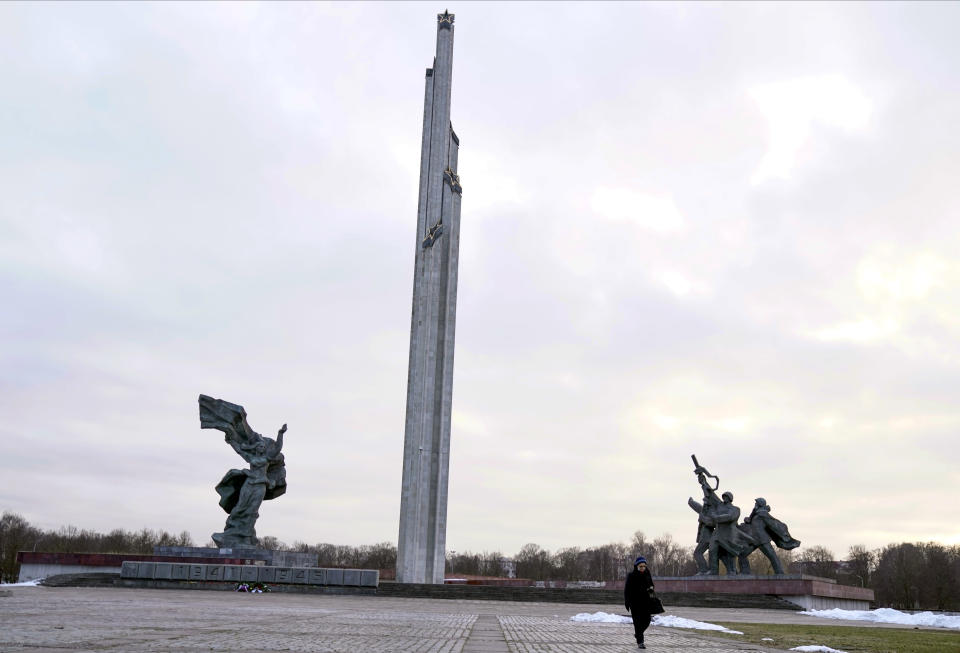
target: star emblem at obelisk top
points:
(445, 19)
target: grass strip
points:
(845, 638)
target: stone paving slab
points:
(534, 634)
(98, 620)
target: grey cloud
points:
(221, 199)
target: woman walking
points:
(637, 593)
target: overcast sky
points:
(721, 229)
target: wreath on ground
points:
(253, 588)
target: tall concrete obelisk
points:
(421, 550)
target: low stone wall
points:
(577, 595)
(182, 571)
(35, 571)
(791, 592)
(145, 583)
(86, 579)
(808, 592)
(40, 564)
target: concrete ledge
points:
(213, 573)
(773, 592)
(265, 556)
(808, 592)
(86, 579)
(140, 583)
(577, 595)
(39, 564)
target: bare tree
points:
(638, 544)
(567, 563)
(16, 534)
(856, 570)
(818, 561)
(493, 564)
(668, 557)
(533, 562)
(897, 576)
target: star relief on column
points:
(435, 232)
(453, 179)
(445, 19)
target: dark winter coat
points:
(637, 591)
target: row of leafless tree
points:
(906, 576)
(381, 556)
(16, 534)
(607, 562)
(923, 575)
(601, 563)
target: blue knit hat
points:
(639, 560)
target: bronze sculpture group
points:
(243, 490)
(719, 534)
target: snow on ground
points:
(29, 583)
(670, 621)
(817, 649)
(666, 620)
(602, 617)
(890, 616)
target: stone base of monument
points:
(253, 554)
(38, 564)
(196, 568)
(807, 592)
(216, 576)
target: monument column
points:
(421, 549)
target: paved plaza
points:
(40, 619)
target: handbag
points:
(656, 607)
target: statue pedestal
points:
(37, 564)
(808, 592)
(250, 555)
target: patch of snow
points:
(666, 620)
(766, 639)
(890, 616)
(602, 617)
(817, 649)
(669, 621)
(29, 583)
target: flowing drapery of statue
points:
(243, 490)
(727, 541)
